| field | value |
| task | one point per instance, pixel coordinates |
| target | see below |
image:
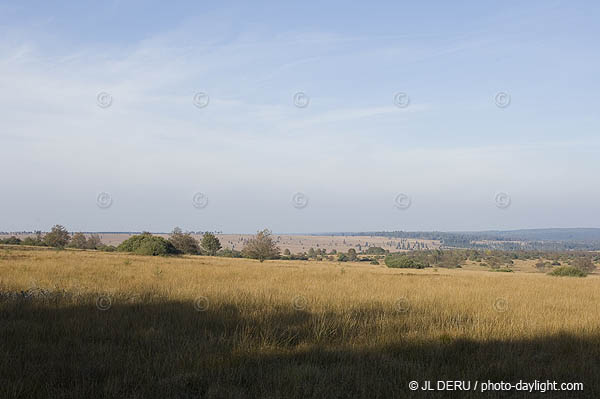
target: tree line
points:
(262, 246)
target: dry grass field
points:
(88, 324)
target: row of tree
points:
(57, 237)
(261, 246)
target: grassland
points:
(87, 324)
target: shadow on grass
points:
(60, 349)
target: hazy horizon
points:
(323, 233)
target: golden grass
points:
(219, 327)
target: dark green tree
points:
(147, 244)
(210, 243)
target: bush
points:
(184, 242)
(352, 255)
(106, 248)
(12, 240)
(342, 257)
(374, 262)
(404, 261)
(261, 247)
(229, 253)
(147, 244)
(584, 264)
(37, 240)
(58, 237)
(375, 251)
(567, 271)
(78, 241)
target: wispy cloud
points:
(351, 149)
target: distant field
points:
(296, 243)
(96, 325)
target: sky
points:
(300, 117)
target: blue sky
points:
(351, 151)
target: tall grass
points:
(88, 324)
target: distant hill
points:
(555, 234)
(528, 239)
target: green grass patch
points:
(567, 271)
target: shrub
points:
(12, 240)
(93, 242)
(78, 241)
(374, 262)
(147, 244)
(567, 271)
(106, 248)
(36, 241)
(404, 261)
(375, 251)
(342, 257)
(184, 242)
(352, 255)
(584, 264)
(229, 253)
(261, 247)
(58, 237)
(81, 242)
